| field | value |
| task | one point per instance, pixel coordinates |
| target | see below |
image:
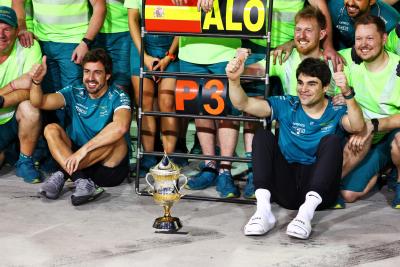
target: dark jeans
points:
(289, 182)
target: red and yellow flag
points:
(164, 16)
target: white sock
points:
(306, 211)
(263, 197)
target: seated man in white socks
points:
(302, 168)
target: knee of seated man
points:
(51, 129)
(26, 111)
(395, 145)
(350, 196)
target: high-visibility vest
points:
(116, 18)
(64, 21)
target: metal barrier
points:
(141, 113)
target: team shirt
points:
(205, 50)
(61, 21)
(19, 62)
(393, 44)
(134, 4)
(287, 73)
(343, 24)
(282, 28)
(89, 116)
(377, 93)
(299, 134)
(116, 19)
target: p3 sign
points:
(227, 16)
(201, 96)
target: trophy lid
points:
(165, 167)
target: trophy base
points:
(167, 224)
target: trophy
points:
(166, 191)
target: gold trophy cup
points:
(166, 191)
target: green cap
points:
(8, 16)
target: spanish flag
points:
(164, 16)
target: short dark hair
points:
(370, 19)
(315, 67)
(311, 12)
(96, 55)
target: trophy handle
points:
(147, 181)
(186, 180)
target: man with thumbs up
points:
(93, 149)
(302, 168)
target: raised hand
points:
(206, 5)
(235, 67)
(38, 71)
(340, 79)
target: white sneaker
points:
(299, 228)
(259, 224)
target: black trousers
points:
(289, 182)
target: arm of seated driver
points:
(251, 105)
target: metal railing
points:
(141, 113)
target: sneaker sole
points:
(230, 195)
(43, 193)
(198, 188)
(396, 206)
(33, 181)
(76, 201)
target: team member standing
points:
(209, 56)
(159, 54)
(114, 37)
(305, 163)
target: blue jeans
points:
(61, 71)
(155, 46)
(118, 46)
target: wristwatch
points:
(350, 95)
(375, 123)
(88, 42)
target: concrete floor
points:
(116, 230)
